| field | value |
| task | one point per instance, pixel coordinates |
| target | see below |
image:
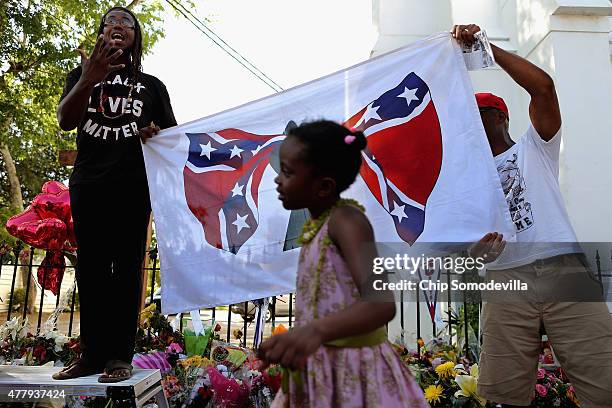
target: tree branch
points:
(15, 196)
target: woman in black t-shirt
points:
(114, 106)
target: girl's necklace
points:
(309, 231)
(313, 225)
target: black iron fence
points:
(21, 295)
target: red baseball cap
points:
(488, 100)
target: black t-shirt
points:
(108, 145)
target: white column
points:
(583, 78)
(486, 13)
(401, 22)
(570, 40)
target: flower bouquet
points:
(553, 390)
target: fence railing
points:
(21, 295)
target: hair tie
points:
(348, 139)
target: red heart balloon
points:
(47, 224)
(53, 187)
(51, 271)
(49, 233)
(53, 205)
(15, 221)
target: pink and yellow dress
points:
(371, 376)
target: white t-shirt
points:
(529, 173)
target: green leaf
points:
(36, 52)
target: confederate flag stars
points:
(235, 151)
(222, 176)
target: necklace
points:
(103, 98)
(309, 231)
(313, 225)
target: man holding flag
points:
(546, 256)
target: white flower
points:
(60, 340)
(49, 335)
(19, 361)
(14, 329)
(253, 373)
(459, 367)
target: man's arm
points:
(544, 106)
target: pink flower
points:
(174, 348)
(228, 392)
(541, 390)
(541, 373)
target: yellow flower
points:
(433, 393)
(147, 313)
(196, 361)
(237, 334)
(474, 371)
(206, 362)
(192, 361)
(468, 385)
(446, 370)
(451, 356)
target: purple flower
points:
(174, 348)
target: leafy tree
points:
(39, 38)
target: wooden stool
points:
(20, 384)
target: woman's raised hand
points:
(99, 64)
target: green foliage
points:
(39, 38)
(18, 299)
(5, 213)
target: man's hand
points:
(291, 349)
(489, 247)
(148, 132)
(544, 109)
(465, 33)
(99, 64)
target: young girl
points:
(338, 354)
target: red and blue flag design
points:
(401, 165)
(403, 158)
(222, 178)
